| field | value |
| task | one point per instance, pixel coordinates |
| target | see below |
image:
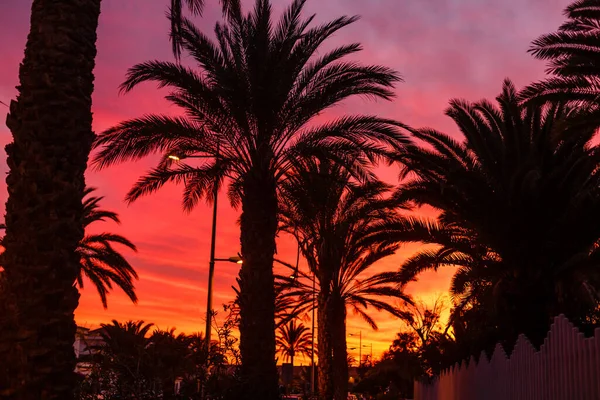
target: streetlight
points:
(359, 346)
(211, 265)
(234, 259)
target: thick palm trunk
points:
(325, 352)
(257, 296)
(340, 353)
(9, 352)
(51, 124)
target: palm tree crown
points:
(250, 105)
(337, 221)
(101, 263)
(294, 340)
(519, 203)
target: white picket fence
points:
(567, 367)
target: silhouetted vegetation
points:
(516, 196)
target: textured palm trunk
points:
(257, 297)
(340, 353)
(325, 353)
(51, 124)
(9, 352)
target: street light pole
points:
(360, 348)
(211, 264)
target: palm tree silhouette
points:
(101, 263)
(519, 210)
(250, 107)
(123, 352)
(294, 340)
(335, 220)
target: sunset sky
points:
(442, 48)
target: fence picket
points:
(566, 367)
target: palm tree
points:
(333, 218)
(101, 263)
(250, 107)
(51, 124)
(573, 53)
(294, 339)
(519, 207)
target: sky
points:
(443, 49)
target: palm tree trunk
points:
(257, 296)
(325, 355)
(340, 353)
(292, 362)
(51, 124)
(8, 351)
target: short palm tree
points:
(250, 106)
(124, 353)
(294, 339)
(573, 53)
(519, 203)
(171, 358)
(101, 263)
(332, 216)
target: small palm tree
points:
(171, 357)
(294, 340)
(573, 53)
(101, 263)
(124, 354)
(249, 109)
(334, 218)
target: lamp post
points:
(211, 264)
(359, 346)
